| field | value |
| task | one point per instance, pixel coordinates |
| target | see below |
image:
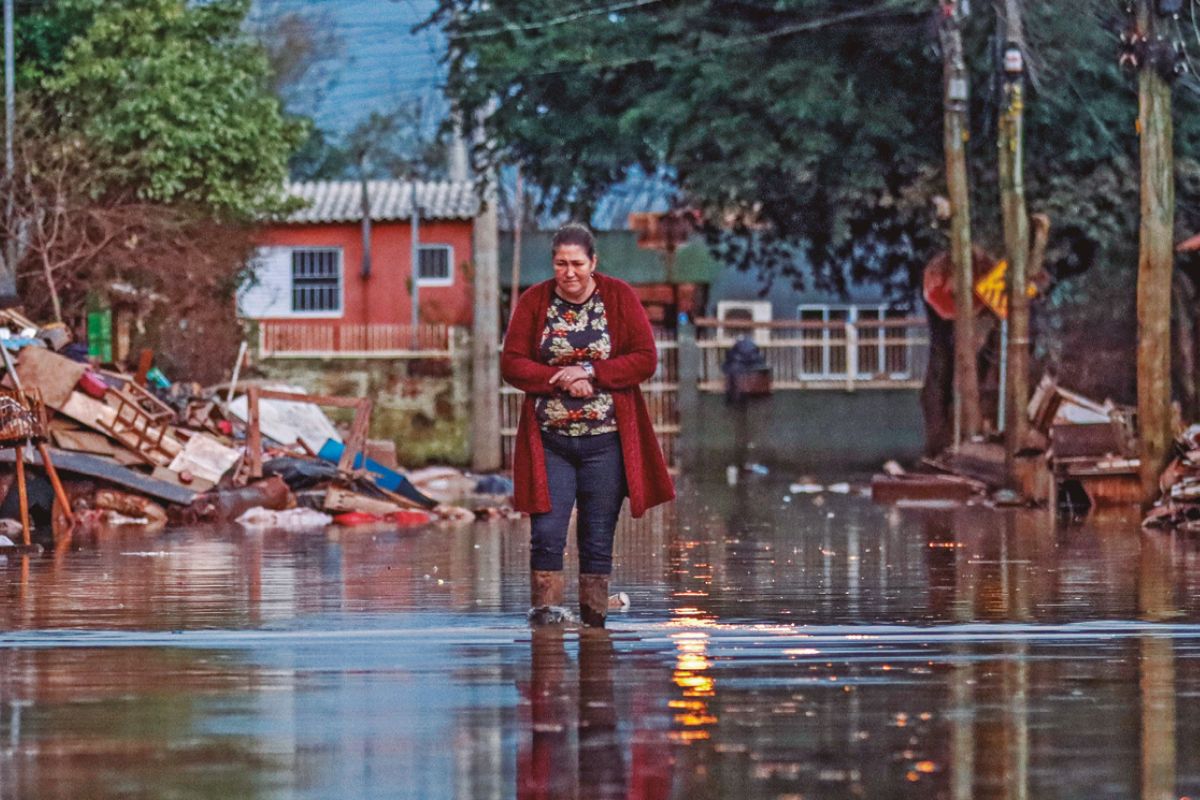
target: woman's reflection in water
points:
(574, 747)
(601, 762)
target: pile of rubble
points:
(113, 448)
(1077, 449)
(1179, 505)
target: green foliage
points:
(174, 99)
(811, 124)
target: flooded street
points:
(778, 646)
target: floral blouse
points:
(575, 333)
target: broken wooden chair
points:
(23, 423)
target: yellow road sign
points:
(992, 289)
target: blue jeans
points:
(590, 471)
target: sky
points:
(381, 61)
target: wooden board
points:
(105, 469)
(83, 441)
(919, 487)
(342, 500)
(53, 375)
(167, 476)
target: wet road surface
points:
(777, 646)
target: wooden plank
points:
(83, 441)
(315, 399)
(896, 488)
(59, 492)
(356, 443)
(342, 500)
(22, 493)
(54, 375)
(145, 362)
(167, 476)
(253, 433)
(105, 469)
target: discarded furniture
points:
(23, 423)
(355, 445)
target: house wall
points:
(384, 297)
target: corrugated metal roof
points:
(633, 196)
(636, 194)
(341, 201)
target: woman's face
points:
(573, 270)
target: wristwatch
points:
(589, 370)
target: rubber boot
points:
(546, 590)
(593, 599)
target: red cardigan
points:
(633, 361)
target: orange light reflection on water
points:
(690, 674)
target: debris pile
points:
(1076, 448)
(1092, 446)
(1179, 506)
(139, 449)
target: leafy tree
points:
(174, 97)
(400, 143)
(814, 127)
(148, 141)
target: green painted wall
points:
(806, 430)
(619, 256)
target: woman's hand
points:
(566, 377)
(581, 388)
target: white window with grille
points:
(872, 348)
(435, 265)
(317, 280)
(294, 282)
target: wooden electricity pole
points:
(1155, 256)
(1016, 233)
(955, 99)
(485, 337)
(518, 223)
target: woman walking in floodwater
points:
(579, 345)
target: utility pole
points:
(364, 201)
(10, 114)
(956, 95)
(415, 294)
(1016, 234)
(485, 338)
(518, 220)
(1155, 248)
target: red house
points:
(326, 280)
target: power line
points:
(553, 21)
(786, 30)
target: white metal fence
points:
(862, 354)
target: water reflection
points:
(777, 646)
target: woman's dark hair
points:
(574, 233)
